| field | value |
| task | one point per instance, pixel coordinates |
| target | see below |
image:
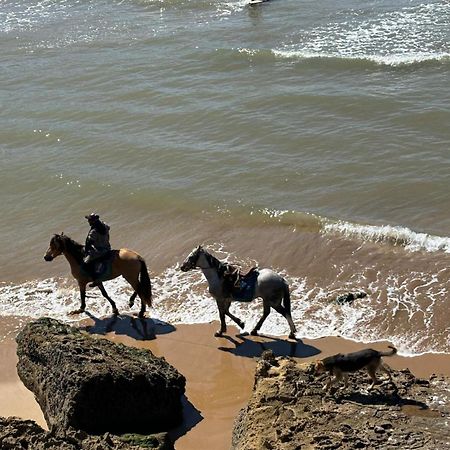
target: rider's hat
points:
(92, 216)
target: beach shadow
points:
(134, 327)
(250, 348)
(191, 417)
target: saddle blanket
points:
(245, 291)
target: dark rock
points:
(18, 434)
(86, 383)
(349, 419)
(349, 297)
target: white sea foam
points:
(183, 298)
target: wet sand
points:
(219, 371)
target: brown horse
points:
(125, 262)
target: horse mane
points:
(220, 266)
(73, 247)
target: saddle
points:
(101, 267)
(239, 285)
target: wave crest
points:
(394, 235)
(393, 60)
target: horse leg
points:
(282, 310)
(110, 300)
(140, 282)
(235, 319)
(81, 309)
(142, 310)
(266, 312)
(222, 311)
(132, 298)
(137, 291)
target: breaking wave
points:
(407, 36)
(384, 234)
(401, 236)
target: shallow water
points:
(310, 138)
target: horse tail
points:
(145, 285)
(287, 298)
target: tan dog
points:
(340, 365)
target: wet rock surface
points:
(289, 410)
(18, 434)
(82, 382)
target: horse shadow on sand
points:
(133, 327)
(255, 346)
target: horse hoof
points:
(241, 325)
(218, 334)
(76, 311)
(292, 336)
(131, 304)
(116, 312)
(141, 315)
(254, 333)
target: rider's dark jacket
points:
(97, 242)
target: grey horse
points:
(270, 286)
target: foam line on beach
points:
(183, 298)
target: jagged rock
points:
(86, 383)
(18, 434)
(289, 410)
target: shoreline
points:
(219, 372)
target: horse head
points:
(191, 261)
(55, 248)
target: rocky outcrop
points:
(86, 383)
(288, 410)
(18, 434)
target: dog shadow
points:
(250, 348)
(376, 397)
(134, 327)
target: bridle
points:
(192, 260)
(56, 247)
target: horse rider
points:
(97, 245)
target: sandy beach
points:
(219, 371)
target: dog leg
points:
(337, 377)
(387, 371)
(373, 376)
(345, 376)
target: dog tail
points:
(392, 352)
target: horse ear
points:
(200, 247)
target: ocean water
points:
(310, 137)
